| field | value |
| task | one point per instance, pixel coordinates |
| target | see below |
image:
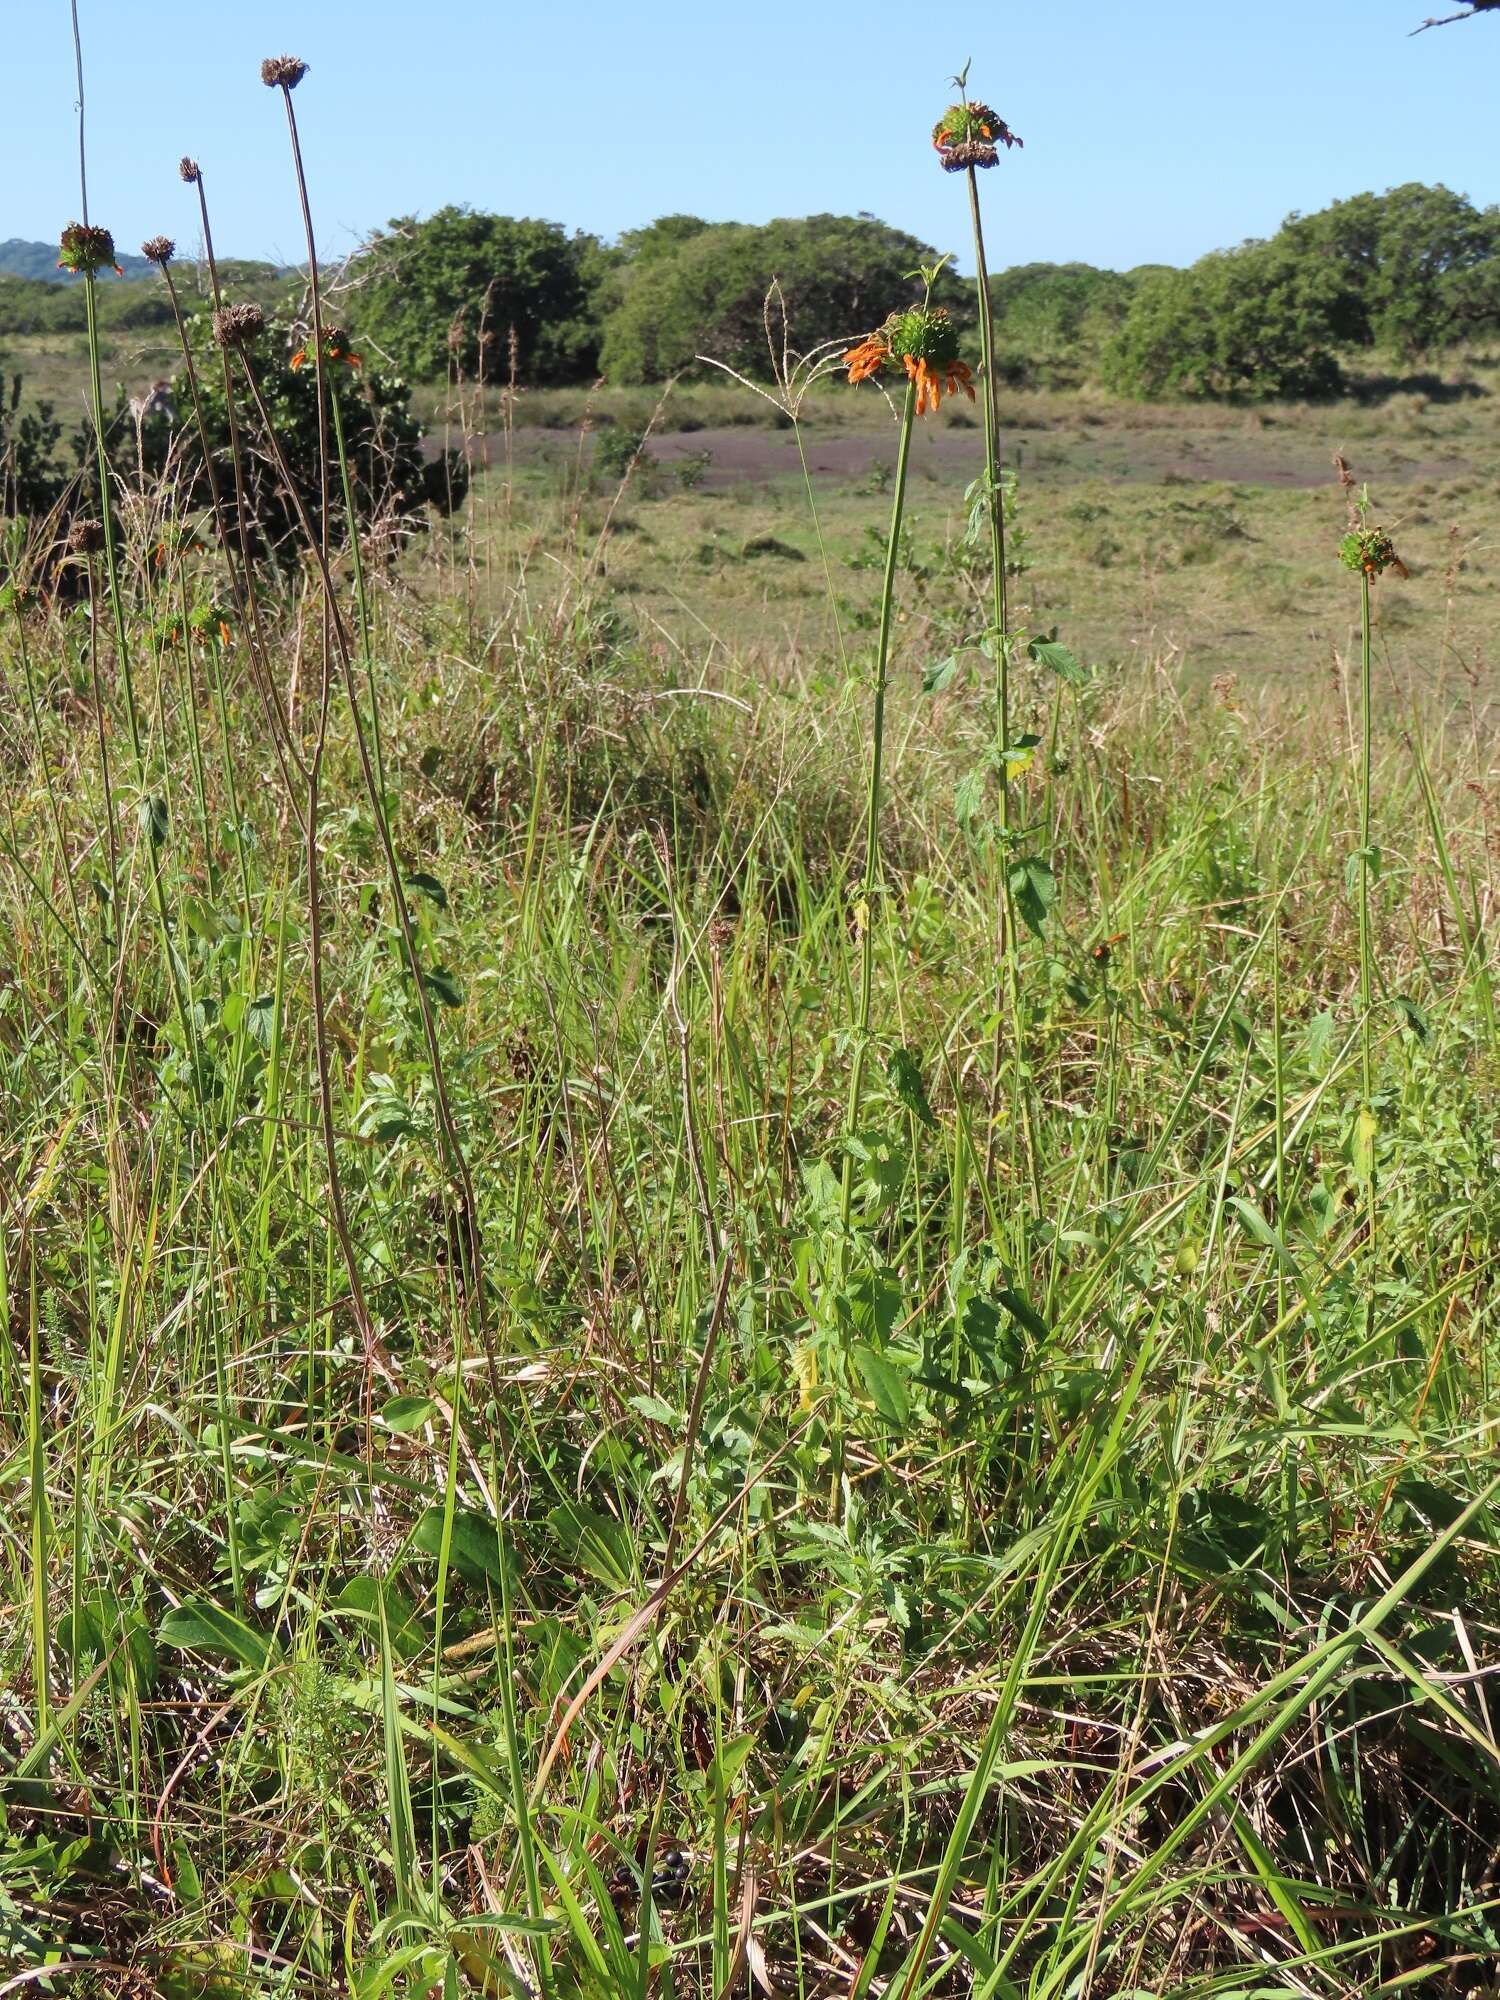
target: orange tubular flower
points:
(335, 348)
(932, 380)
(868, 358)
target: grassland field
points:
(581, 1516)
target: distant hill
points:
(20, 259)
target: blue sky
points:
(1153, 132)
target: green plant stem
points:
(876, 780)
(361, 594)
(1366, 946)
(111, 553)
(1000, 586)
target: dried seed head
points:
(188, 168)
(967, 153)
(86, 249)
(283, 72)
(158, 250)
(85, 538)
(238, 325)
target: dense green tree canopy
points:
(1258, 321)
(1057, 317)
(460, 275)
(839, 275)
(1410, 258)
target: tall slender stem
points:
(1366, 946)
(877, 775)
(1000, 587)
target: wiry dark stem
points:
(317, 539)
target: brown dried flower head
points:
(188, 168)
(967, 153)
(238, 325)
(85, 538)
(282, 72)
(158, 249)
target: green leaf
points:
(428, 886)
(1020, 756)
(103, 1626)
(1413, 1016)
(1362, 1144)
(1352, 868)
(968, 797)
(906, 1081)
(151, 814)
(473, 1549)
(200, 1626)
(1065, 664)
(1024, 1313)
(201, 918)
(1033, 888)
(595, 1542)
(887, 1385)
(407, 1413)
(1317, 1042)
(443, 985)
(260, 1019)
(938, 675)
(385, 1115)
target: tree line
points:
(1402, 275)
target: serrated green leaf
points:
(938, 674)
(968, 797)
(1058, 659)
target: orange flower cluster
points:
(868, 358)
(335, 348)
(933, 379)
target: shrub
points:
(470, 277)
(393, 482)
(1258, 321)
(31, 478)
(839, 275)
(1419, 263)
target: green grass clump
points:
(1002, 1536)
(598, 1400)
